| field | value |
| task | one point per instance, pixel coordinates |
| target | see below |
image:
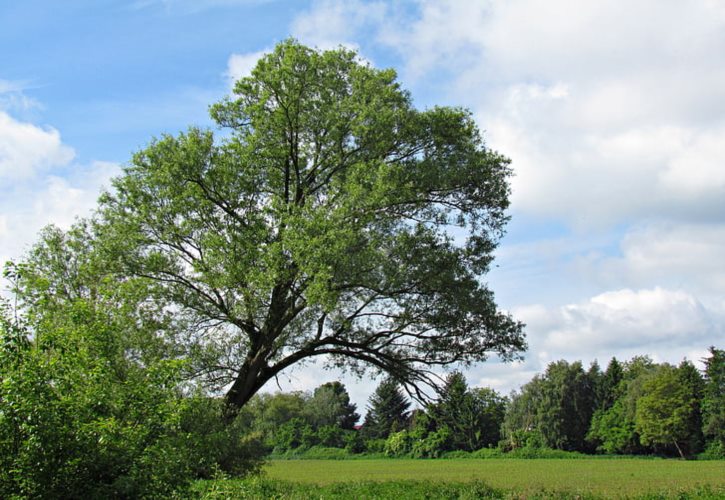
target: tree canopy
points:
(330, 219)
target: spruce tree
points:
(387, 411)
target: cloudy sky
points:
(613, 113)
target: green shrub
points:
(354, 442)
(433, 445)
(331, 436)
(487, 453)
(398, 444)
(375, 445)
(714, 451)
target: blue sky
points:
(612, 112)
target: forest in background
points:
(635, 407)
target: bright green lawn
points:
(615, 477)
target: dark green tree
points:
(610, 387)
(319, 226)
(692, 379)
(713, 401)
(472, 415)
(330, 406)
(613, 429)
(491, 409)
(387, 411)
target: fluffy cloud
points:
(667, 324)
(329, 24)
(241, 65)
(39, 184)
(26, 149)
(609, 110)
(29, 206)
(687, 256)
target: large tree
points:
(332, 218)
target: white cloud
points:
(29, 206)
(624, 322)
(241, 65)
(329, 24)
(609, 110)
(685, 256)
(26, 149)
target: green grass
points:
(597, 477)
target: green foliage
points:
(375, 446)
(387, 411)
(608, 389)
(293, 434)
(473, 416)
(666, 411)
(267, 413)
(319, 225)
(398, 444)
(331, 436)
(713, 402)
(211, 444)
(612, 431)
(77, 420)
(91, 396)
(558, 405)
(330, 406)
(433, 445)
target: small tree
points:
(330, 406)
(387, 411)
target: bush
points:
(210, 445)
(293, 434)
(375, 445)
(714, 451)
(354, 442)
(331, 436)
(433, 445)
(79, 419)
(398, 444)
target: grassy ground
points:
(616, 477)
(469, 478)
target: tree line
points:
(635, 407)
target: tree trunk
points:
(250, 379)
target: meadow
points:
(471, 478)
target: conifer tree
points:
(387, 410)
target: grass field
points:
(615, 477)
(476, 478)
